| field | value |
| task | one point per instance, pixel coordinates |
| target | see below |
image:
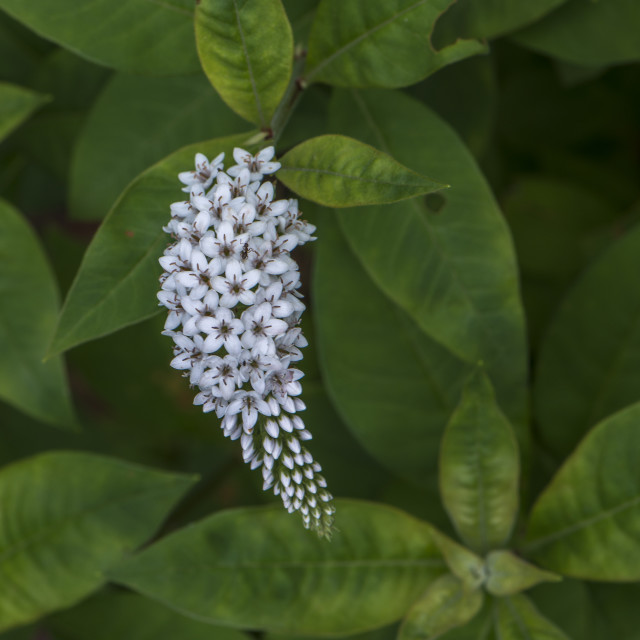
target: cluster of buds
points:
(232, 291)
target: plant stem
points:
(290, 97)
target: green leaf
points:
(586, 524)
(508, 574)
(132, 617)
(337, 171)
(588, 33)
(144, 37)
(464, 564)
(518, 619)
(589, 364)
(490, 18)
(16, 105)
(259, 569)
(379, 368)
(28, 312)
(449, 264)
(479, 468)
(117, 281)
(446, 604)
(376, 43)
(136, 122)
(67, 517)
(246, 50)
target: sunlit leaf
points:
(376, 43)
(337, 171)
(259, 569)
(246, 50)
(67, 517)
(586, 524)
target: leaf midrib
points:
(363, 36)
(61, 524)
(582, 524)
(355, 178)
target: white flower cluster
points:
(232, 291)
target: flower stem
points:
(290, 97)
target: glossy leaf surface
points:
(479, 468)
(67, 517)
(246, 50)
(586, 524)
(135, 123)
(259, 569)
(445, 605)
(30, 304)
(337, 171)
(126, 39)
(508, 574)
(117, 281)
(377, 43)
(450, 263)
(394, 386)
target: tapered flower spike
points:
(232, 291)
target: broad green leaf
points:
(337, 171)
(67, 517)
(588, 33)
(144, 37)
(518, 619)
(450, 264)
(377, 43)
(246, 50)
(379, 368)
(259, 569)
(508, 574)
(446, 604)
(586, 524)
(28, 313)
(117, 281)
(136, 122)
(464, 564)
(479, 468)
(16, 105)
(490, 18)
(589, 364)
(129, 616)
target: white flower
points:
(231, 288)
(222, 329)
(236, 286)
